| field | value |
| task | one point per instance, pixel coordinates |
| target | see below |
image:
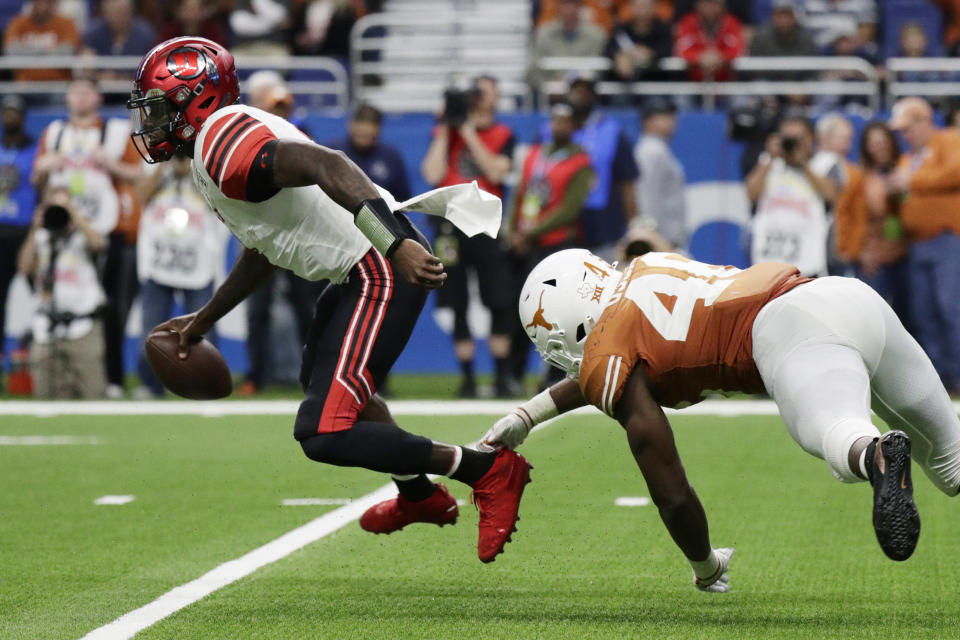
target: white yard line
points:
(41, 441)
(632, 501)
(113, 500)
(129, 624)
(313, 502)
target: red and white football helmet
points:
(179, 83)
(561, 302)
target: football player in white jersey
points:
(297, 205)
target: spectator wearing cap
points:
(709, 39)
(38, 33)
(266, 90)
(17, 196)
(826, 17)
(544, 211)
(118, 31)
(928, 176)
(661, 187)
(611, 203)
(568, 35)
(784, 36)
(637, 45)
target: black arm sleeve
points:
(260, 182)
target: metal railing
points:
(413, 80)
(404, 61)
(868, 86)
(337, 88)
(935, 87)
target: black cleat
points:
(896, 520)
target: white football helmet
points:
(561, 301)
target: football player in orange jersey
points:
(667, 329)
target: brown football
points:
(203, 375)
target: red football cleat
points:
(497, 497)
(392, 515)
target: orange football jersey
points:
(688, 323)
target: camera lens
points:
(55, 217)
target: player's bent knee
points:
(319, 448)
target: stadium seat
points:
(896, 13)
(8, 9)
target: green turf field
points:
(208, 490)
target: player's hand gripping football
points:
(508, 432)
(720, 581)
(188, 328)
(416, 265)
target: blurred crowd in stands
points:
(635, 35)
(92, 227)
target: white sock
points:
(404, 478)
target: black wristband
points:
(379, 224)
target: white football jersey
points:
(301, 229)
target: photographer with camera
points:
(57, 257)
(790, 224)
(469, 144)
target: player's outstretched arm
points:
(248, 274)
(298, 163)
(653, 447)
(511, 430)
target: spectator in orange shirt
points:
(868, 232)
(603, 13)
(41, 32)
(929, 179)
(709, 39)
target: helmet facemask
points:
(157, 123)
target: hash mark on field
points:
(133, 622)
(309, 502)
(632, 501)
(45, 440)
(113, 500)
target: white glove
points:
(719, 582)
(509, 431)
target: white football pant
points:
(831, 349)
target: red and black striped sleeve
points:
(230, 149)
